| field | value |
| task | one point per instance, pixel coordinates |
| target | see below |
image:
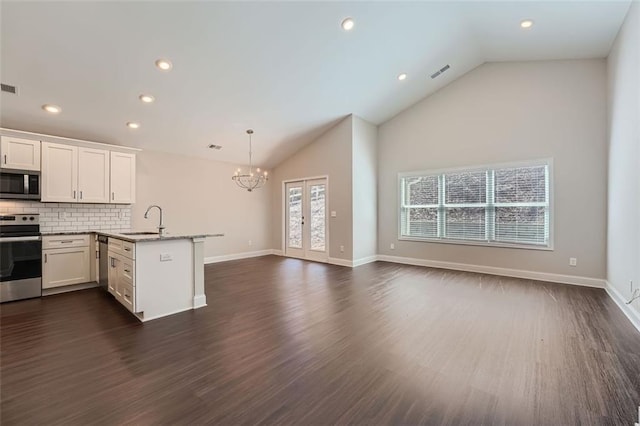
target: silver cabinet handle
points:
(66, 241)
(127, 249)
(126, 270)
(113, 196)
(5, 159)
(74, 194)
(81, 195)
(45, 258)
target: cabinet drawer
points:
(128, 271)
(64, 241)
(126, 296)
(125, 248)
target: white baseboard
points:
(236, 256)
(199, 301)
(629, 311)
(277, 252)
(506, 272)
(340, 262)
(365, 260)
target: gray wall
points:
(199, 196)
(331, 155)
(503, 112)
(623, 248)
(365, 190)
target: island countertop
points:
(140, 236)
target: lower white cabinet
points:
(122, 273)
(65, 260)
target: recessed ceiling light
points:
(133, 125)
(164, 64)
(53, 109)
(147, 99)
(348, 24)
(402, 76)
(526, 23)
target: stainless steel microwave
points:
(19, 185)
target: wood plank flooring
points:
(285, 341)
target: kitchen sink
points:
(139, 233)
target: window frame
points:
(483, 243)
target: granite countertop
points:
(121, 235)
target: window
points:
(494, 205)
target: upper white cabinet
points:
(75, 174)
(17, 153)
(93, 175)
(123, 178)
(59, 173)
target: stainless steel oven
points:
(20, 257)
(19, 184)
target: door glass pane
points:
(317, 200)
(295, 217)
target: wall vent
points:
(440, 71)
(9, 88)
(217, 147)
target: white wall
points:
(329, 155)
(365, 189)
(198, 196)
(503, 112)
(623, 248)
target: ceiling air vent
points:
(9, 88)
(217, 147)
(440, 71)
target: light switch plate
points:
(334, 214)
(165, 257)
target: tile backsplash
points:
(72, 217)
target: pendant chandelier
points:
(252, 179)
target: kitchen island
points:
(151, 275)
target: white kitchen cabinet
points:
(18, 153)
(59, 173)
(122, 274)
(123, 178)
(93, 175)
(65, 260)
(72, 174)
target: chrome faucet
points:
(161, 226)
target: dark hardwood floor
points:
(292, 342)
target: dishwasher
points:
(103, 262)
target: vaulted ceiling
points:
(286, 69)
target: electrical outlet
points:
(334, 214)
(573, 261)
(392, 246)
(120, 214)
(341, 249)
(165, 257)
(62, 215)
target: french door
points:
(306, 224)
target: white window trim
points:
(550, 193)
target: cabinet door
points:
(59, 173)
(23, 154)
(93, 175)
(113, 273)
(66, 266)
(123, 178)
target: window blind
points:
(492, 205)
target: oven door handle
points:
(17, 239)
